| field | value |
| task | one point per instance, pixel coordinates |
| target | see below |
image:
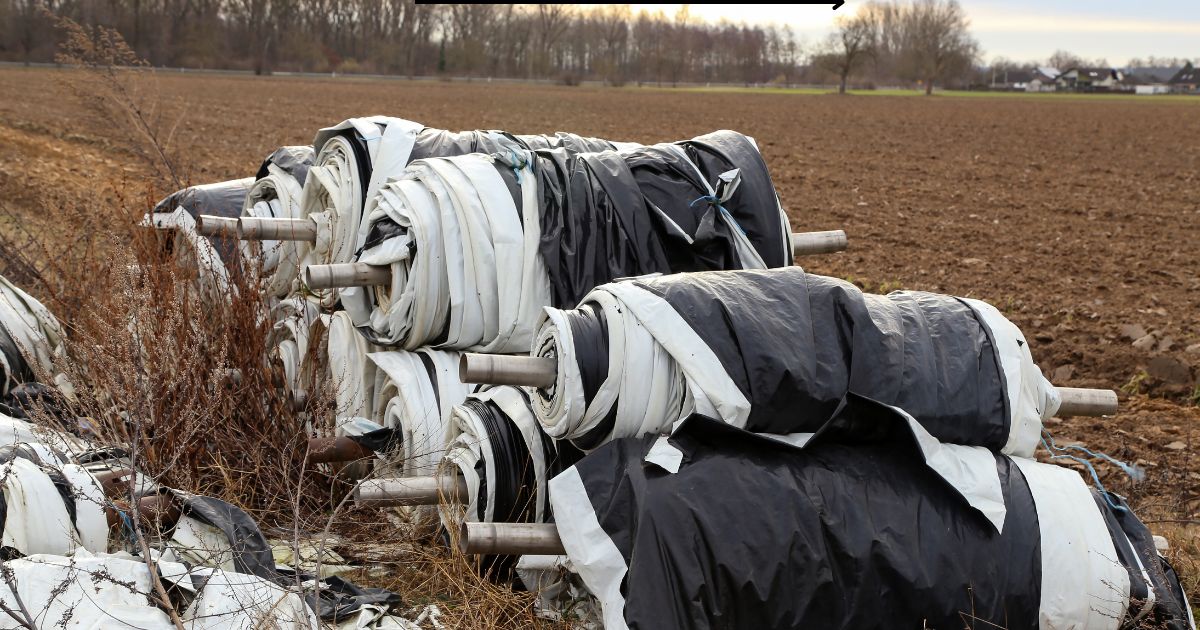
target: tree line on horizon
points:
(886, 42)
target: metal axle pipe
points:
(499, 369)
(1087, 402)
(810, 243)
(267, 229)
(410, 490)
(212, 225)
(343, 275)
(510, 539)
(327, 450)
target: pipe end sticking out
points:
(212, 225)
(1086, 402)
(811, 243)
(499, 369)
(510, 539)
(342, 275)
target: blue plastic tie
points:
(518, 163)
(712, 199)
(1059, 452)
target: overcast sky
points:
(1018, 29)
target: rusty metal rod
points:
(327, 450)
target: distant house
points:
(1090, 79)
(1186, 81)
(1042, 80)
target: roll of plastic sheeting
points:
(504, 457)
(349, 370)
(460, 235)
(778, 351)
(194, 252)
(419, 390)
(505, 460)
(29, 336)
(357, 157)
(476, 244)
(695, 205)
(276, 194)
(222, 199)
(752, 532)
(294, 319)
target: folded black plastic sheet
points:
(796, 343)
(222, 199)
(656, 209)
(294, 160)
(1151, 577)
(595, 223)
(682, 182)
(844, 533)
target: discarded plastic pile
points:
(74, 522)
(750, 446)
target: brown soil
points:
(1076, 217)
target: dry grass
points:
(151, 360)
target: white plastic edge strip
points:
(1083, 586)
(1031, 398)
(705, 375)
(592, 553)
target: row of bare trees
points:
(924, 41)
(545, 41)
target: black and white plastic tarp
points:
(48, 504)
(30, 339)
(209, 256)
(776, 351)
(356, 157)
(478, 244)
(275, 194)
(717, 527)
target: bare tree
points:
(848, 48)
(938, 41)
